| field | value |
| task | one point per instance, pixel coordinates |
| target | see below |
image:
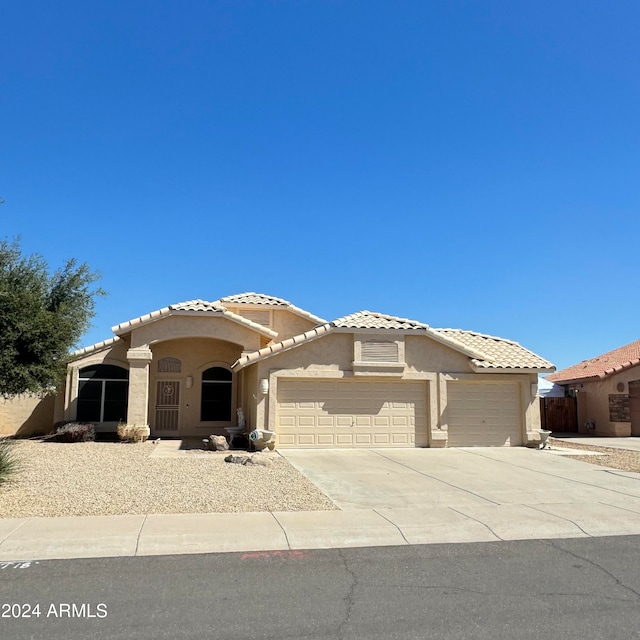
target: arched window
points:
(216, 395)
(103, 392)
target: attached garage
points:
(482, 414)
(351, 413)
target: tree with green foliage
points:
(42, 316)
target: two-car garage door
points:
(351, 413)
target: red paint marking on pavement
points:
(287, 555)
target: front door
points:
(634, 405)
(167, 408)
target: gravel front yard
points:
(112, 478)
(616, 458)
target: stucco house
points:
(364, 380)
(607, 390)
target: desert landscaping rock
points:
(217, 443)
(617, 458)
(260, 459)
(109, 478)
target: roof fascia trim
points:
(94, 348)
(501, 369)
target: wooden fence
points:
(559, 414)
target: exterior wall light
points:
(264, 386)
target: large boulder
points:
(218, 443)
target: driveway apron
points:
(471, 477)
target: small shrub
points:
(75, 432)
(133, 432)
(9, 462)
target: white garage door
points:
(350, 413)
(483, 414)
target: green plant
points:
(43, 316)
(75, 432)
(9, 462)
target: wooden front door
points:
(634, 406)
(167, 408)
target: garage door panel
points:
(483, 414)
(351, 413)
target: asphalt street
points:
(586, 588)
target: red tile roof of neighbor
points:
(602, 366)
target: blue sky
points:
(467, 164)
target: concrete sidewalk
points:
(107, 536)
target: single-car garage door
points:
(351, 413)
(482, 414)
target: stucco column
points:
(138, 409)
(71, 393)
(439, 432)
(531, 413)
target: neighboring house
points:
(365, 380)
(607, 389)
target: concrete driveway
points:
(416, 478)
(453, 495)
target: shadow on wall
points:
(27, 415)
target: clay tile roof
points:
(486, 352)
(497, 353)
(253, 298)
(197, 305)
(605, 365)
(191, 307)
(374, 320)
(98, 346)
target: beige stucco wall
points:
(425, 354)
(331, 356)
(250, 394)
(115, 354)
(27, 415)
(287, 324)
(183, 326)
(333, 352)
(593, 403)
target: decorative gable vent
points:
(169, 365)
(380, 351)
(259, 316)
